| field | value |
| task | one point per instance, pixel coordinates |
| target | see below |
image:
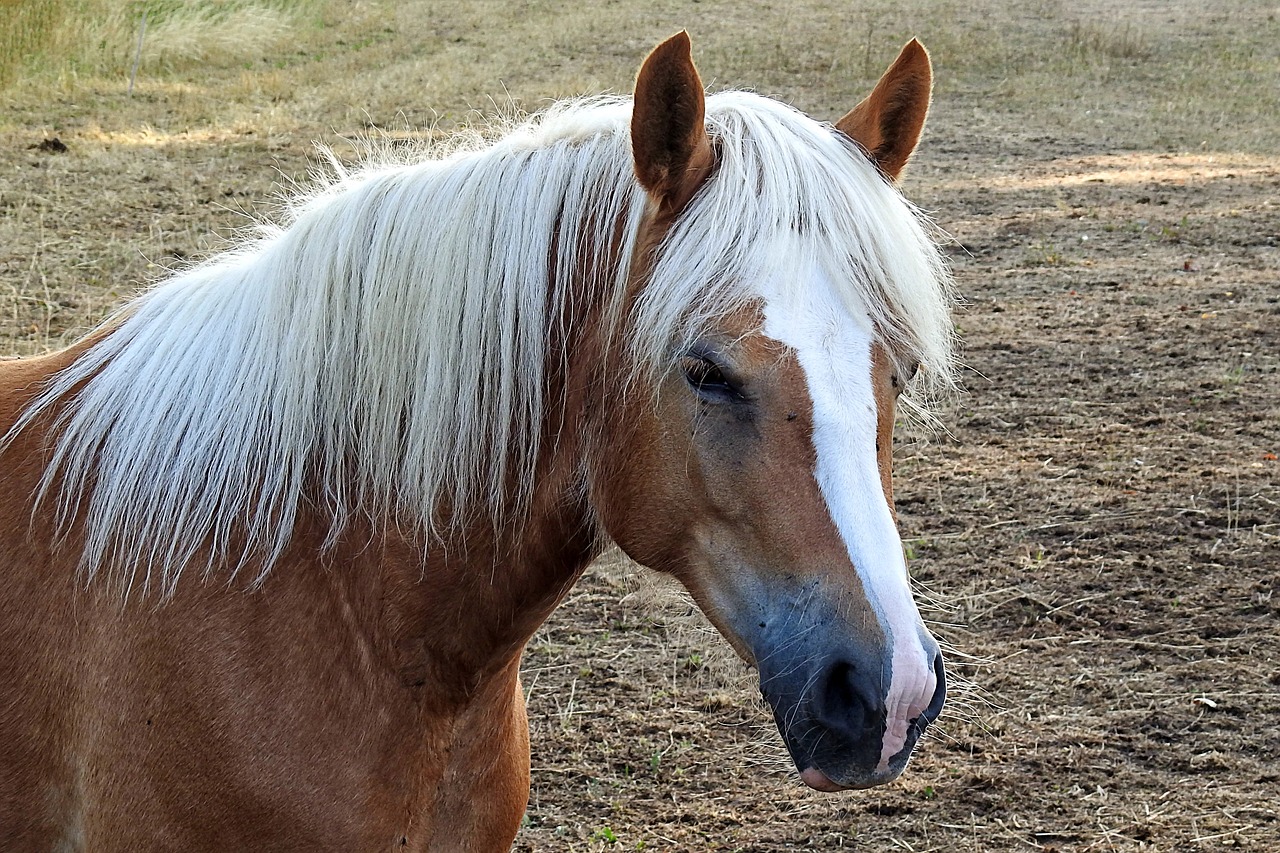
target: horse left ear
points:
(888, 121)
(668, 132)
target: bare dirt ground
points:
(1096, 537)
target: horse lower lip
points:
(818, 781)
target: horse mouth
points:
(819, 781)
(849, 746)
(834, 770)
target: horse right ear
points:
(888, 122)
(668, 135)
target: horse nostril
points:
(939, 694)
(839, 692)
(844, 705)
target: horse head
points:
(758, 432)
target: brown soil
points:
(1096, 537)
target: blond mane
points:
(372, 352)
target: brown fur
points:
(360, 697)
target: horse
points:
(274, 536)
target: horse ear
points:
(888, 121)
(668, 135)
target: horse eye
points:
(708, 378)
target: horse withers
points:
(272, 540)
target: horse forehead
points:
(741, 330)
(799, 329)
(809, 315)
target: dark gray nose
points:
(831, 710)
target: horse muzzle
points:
(845, 721)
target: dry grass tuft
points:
(214, 34)
(86, 39)
(1088, 40)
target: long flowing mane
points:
(386, 346)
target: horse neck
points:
(463, 605)
(463, 596)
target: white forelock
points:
(385, 348)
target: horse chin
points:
(830, 761)
(820, 781)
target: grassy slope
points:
(1016, 80)
(1180, 77)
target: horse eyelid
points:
(710, 377)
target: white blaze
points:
(834, 350)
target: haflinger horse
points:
(273, 538)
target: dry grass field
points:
(1097, 535)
